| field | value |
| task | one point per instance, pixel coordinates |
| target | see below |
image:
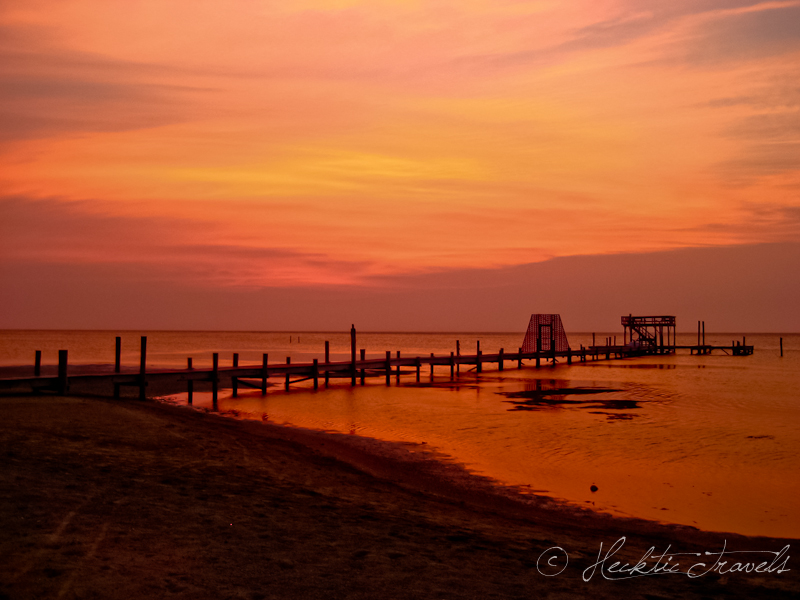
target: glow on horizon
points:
(338, 141)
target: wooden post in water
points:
(315, 373)
(37, 361)
(431, 366)
(353, 355)
(398, 367)
(214, 379)
(63, 382)
(363, 358)
(704, 333)
(478, 365)
(264, 373)
(234, 379)
(500, 360)
(519, 358)
(118, 355)
(569, 356)
(418, 364)
(288, 362)
(458, 353)
(327, 360)
(142, 369)
(781, 347)
(388, 367)
(698, 336)
(452, 365)
(189, 383)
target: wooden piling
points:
(431, 365)
(214, 379)
(363, 358)
(234, 379)
(418, 364)
(388, 367)
(458, 353)
(264, 373)
(142, 369)
(569, 356)
(452, 365)
(118, 355)
(781, 347)
(315, 373)
(327, 360)
(189, 383)
(288, 362)
(519, 358)
(398, 367)
(704, 333)
(37, 362)
(500, 360)
(478, 365)
(353, 355)
(63, 382)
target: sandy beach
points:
(128, 499)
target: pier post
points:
(458, 353)
(189, 383)
(363, 358)
(519, 358)
(781, 347)
(63, 382)
(117, 355)
(264, 373)
(698, 336)
(37, 361)
(500, 360)
(431, 365)
(142, 369)
(234, 379)
(388, 367)
(315, 373)
(288, 362)
(327, 360)
(478, 365)
(398, 367)
(538, 360)
(569, 356)
(418, 364)
(214, 379)
(353, 355)
(453, 362)
(704, 333)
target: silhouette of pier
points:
(544, 344)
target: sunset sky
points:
(403, 164)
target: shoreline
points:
(102, 492)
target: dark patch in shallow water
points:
(537, 399)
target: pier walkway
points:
(106, 381)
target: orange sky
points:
(254, 144)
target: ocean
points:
(706, 441)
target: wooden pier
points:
(356, 370)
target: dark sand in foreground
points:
(127, 499)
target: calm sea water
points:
(710, 441)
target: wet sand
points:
(127, 499)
